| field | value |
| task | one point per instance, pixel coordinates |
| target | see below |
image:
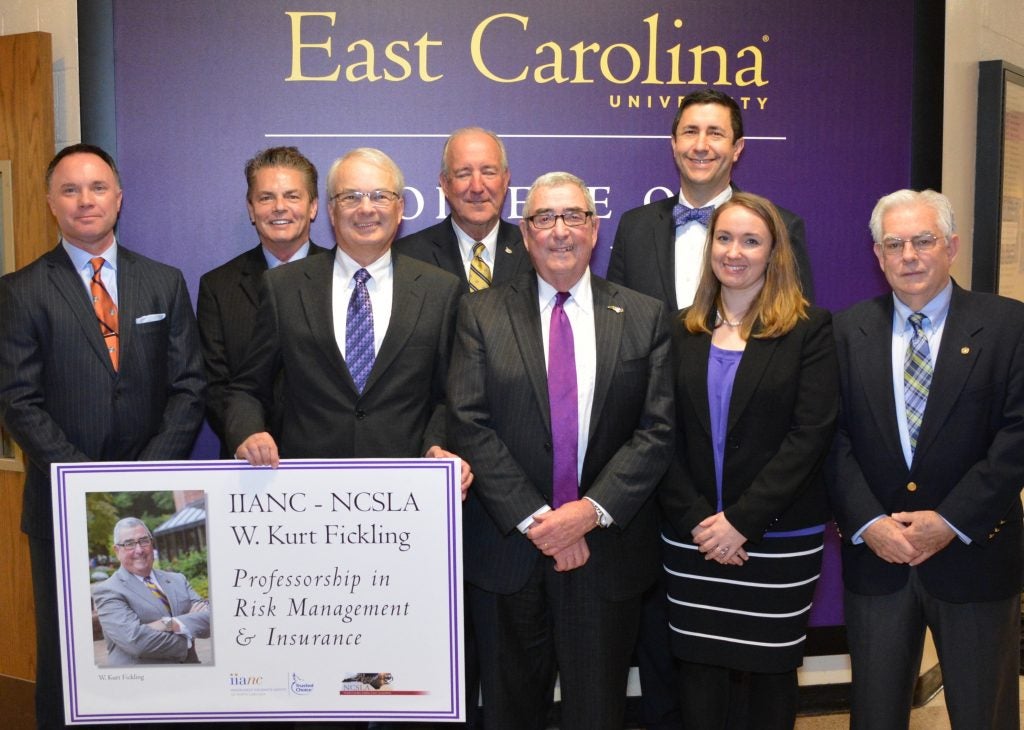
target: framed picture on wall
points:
(999, 181)
(10, 455)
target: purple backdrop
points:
(581, 86)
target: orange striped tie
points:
(106, 310)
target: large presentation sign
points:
(334, 593)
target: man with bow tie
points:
(659, 247)
(659, 250)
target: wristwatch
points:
(168, 623)
(603, 520)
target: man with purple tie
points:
(560, 396)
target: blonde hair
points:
(779, 305)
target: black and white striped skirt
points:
(751, 617)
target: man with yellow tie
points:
(473, 242)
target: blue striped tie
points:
(917, 377)
(359, 331)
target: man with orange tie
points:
(99, 361)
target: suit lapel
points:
(315, 293)
(128, 300)
(406, 305)
(608, 326)
(253, 266)
(509, 254)
(524, 315)
(871, 355)
(447, 254)
(665, 249)
(754, 363)
(139, 590)
(693, 370)
(960, 349)
(67, 282)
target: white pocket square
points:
(147, 318)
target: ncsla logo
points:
(298, 686)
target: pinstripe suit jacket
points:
(438, 245)
(499, 421)
(60, 397)
(124, 605)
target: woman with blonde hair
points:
(744, 499)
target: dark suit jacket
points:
(61, 399)
(969, 462)
(401, 410)
(499, 421)
(438, 245)
(782, 415)
(124, 605)
(228, 297)
(643, 255)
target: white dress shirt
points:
(380, 285)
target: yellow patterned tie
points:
(479, 271)
(106, 311)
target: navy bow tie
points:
(684, 214)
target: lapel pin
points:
(965, 350)
(617, 310)
(508, 250)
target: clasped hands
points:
(260, 449)
(908, 538)
(559, 533)
(720, 541)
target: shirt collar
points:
(715, 201)
(935, 310)
(490, 241)
(580, 293)
(273, 261)
(81, 258)
(377, 269)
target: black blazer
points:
(499, 421)
(228, 297)
(643, 255)
(401, 410)
(438, 245)
(969, 461)
(60, 397)
(782, 416)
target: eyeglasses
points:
(352, 198)
(571, 218)
(922, 243)
(143, 542)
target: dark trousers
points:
(977, 644)
(49, 685)
(719, 698)
(556, 625)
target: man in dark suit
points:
(561, 397)
(99, 361)
(356, 382)
(473, 243)
(659, 250)
(926, 475)
(655, 254)
(148, 616)
(282, 200)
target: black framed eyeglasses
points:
(571, 218)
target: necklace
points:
(722, 320)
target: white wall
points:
(59, 18)
(976, 30)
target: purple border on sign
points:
(454, 578)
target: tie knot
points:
(917, 322)
(361, 276)
(684, 214)
(561, 298)
(97, 264)
(478, 249)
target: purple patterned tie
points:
(359, 331)
(564, 406)
(683, 214)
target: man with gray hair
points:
(373, 384)
(925, 477)
(473, 242)
(561, 397)
(148, 616)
